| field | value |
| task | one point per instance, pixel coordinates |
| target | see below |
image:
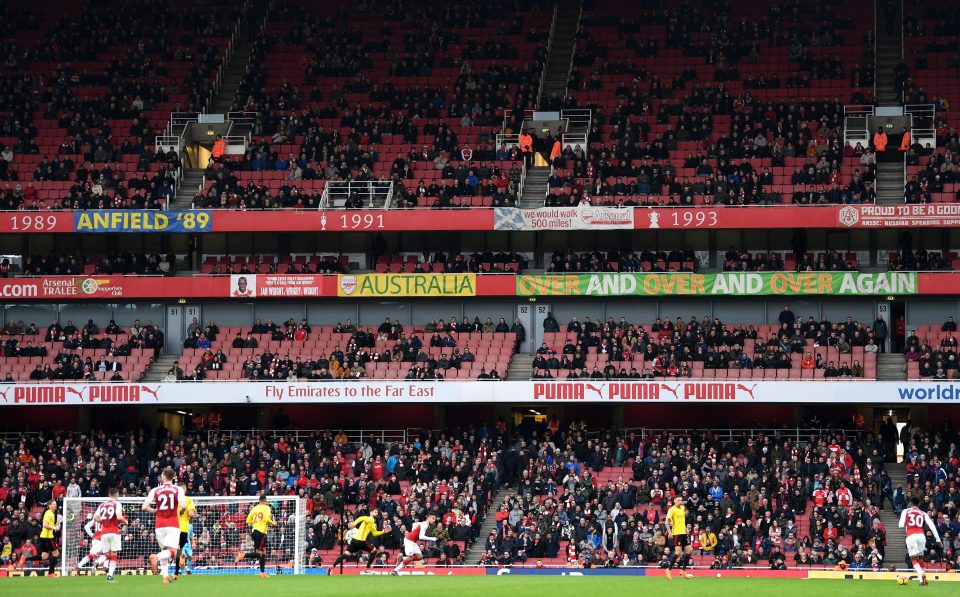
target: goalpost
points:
(219, 533)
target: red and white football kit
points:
(107, 513)
(914, 520)
(167, 498)
(418, 532)
(95, 531)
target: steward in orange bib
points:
(219, 148)
(905, 141)
(880, 141)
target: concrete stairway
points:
(535, 187)
(891, 367)
(192, 177)
(889, 52)
(521, 366)
(233, 75)
(561, 51)
(896, 551)
(475, 551)
(158, 370)
(890, 181)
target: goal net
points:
(219, 533)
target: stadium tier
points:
(594, 502)
(563, 287)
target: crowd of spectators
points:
(442, 261)
(666, 348)
(108, 114)
(639, 174)
(72, 264)
(105, 187)
(387, 343)
(63, 349)
(933, 173)
(745, 261)
(919, 260)
(465, 179)
(645, 121)
(452, 474)
(937, 359)
(762, 501)
(492, 78)
(648, 260)
(259, 264)
(575, 498)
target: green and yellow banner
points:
(390, 285)
(721, 284)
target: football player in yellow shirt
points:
(184, 517)
(365, 527)
(49, 550)
(677, 528)
(260, 519)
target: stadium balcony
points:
(410, 182)
(924, 76)
(931, 352)
(343, 116)
(666, 86)
(293, 351)
(67, 353)
(77, 107)
(708, 350)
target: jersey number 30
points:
(915, 519)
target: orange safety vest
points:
(526, 143)
(555, 152)
(905, 142)
(219, 148)
(880, 141)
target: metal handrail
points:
(243, 117)
(572, 140)
(523, 178)
(370, 189)
(799, 434)
(573, 52)
(505, 140)
(861, 135)
(546, 62)
(876, 34)
(902, 91)
(303, 435)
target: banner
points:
(929, 215)
(142, 220)
(308, 286)
(723, 284)
(563, 218)
(379, 285)
(665, 391)
(276, 285)
(943, 215)
(395, 220)
(112, 287)
(425, 571)
(758, 571)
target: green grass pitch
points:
(543, 586)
